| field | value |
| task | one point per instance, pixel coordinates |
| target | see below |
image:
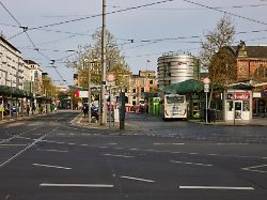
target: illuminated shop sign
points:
(238, 95)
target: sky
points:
(171, 19)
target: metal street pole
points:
(89, 93)
(206, 114)
(110, 106)
(103, 108)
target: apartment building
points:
(35, 77)
(140, 85)
(12, 69)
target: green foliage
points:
(91, 57)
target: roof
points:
(255, 51)
(9, 44)
(31, 62)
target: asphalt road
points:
(48, 158)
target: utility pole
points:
(89, 93)
(103, 104)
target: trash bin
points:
(211, 115)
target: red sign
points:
(77, 93)
(238, 96)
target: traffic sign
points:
(206, 87)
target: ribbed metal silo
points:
(174, 68)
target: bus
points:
(174, 106)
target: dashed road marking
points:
(76, 185)
(117, 155)
(191, 163)
(13, 145)
(137, 179)
(214, 188)
(53, 150)
(158, 143)
(50, 166)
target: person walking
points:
(28, 110)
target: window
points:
(134, 90)
(230, 105)
(246, 106)
(151, 82)
(142, 89)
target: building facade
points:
(140, 86)
(12, 69)
(34, 78)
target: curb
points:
(2, 122)
(227, 124)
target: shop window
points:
(230, 105)
(246, 106)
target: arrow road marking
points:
(254, 168)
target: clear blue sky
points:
(168, 20)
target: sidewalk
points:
(259, 121)
(20, 118)
(82, 121)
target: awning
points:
(185, 87)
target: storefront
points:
(238, 105)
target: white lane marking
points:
(254, 168)
(76, 185)
(214, 188)
(112, 143)
(134, 149)
(102, 147)
(193, 153)
(84, 145)
(60, 142)
(22, 151)
(53, 150)
(231, 143)
(71, 143)
(50, 166)
(17, 136)
(8, 139)
(212, 154)
(160, 143)
(191, 163)
(13, 145)
(118, 148)
(137, 179)
(116, 155)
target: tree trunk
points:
(211, 94)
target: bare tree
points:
(215, 55)
(115, 61)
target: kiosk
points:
(238, 105)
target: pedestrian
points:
(33, 108)
(28, 110)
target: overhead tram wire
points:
(25, 29)
(225, 12)
(99, 15)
